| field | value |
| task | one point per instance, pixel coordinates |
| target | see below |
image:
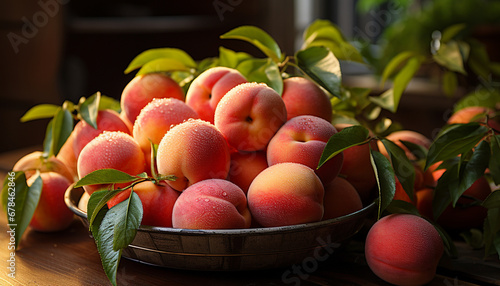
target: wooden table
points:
(70, 258)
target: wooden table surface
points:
(70, 258)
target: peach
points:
(143, 88)
(157, 202)
(249, 115)
(286, 194)
(67, 155)
(302, 140)
(211, 204)
(474, 113)
(406, 135)
(107, 120)
(110, 150)
(304, 97)
(341, 198)
(156, 119)
(403, 249)
(35, 160)
(245, 166)
(209, 87)
(51, 213)
(193, 151)
(357, 167)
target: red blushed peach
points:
(302, 140)
(403, 249)
(107, 120)
(67, 156)
(304, 97)
(286, 194)
(33, 161)
(157, 202)
(211, 204)
(156, 119)
(51, 213)
(143, 88)
(111, 150)
(249, 115)
(474, 114)
(193, 151)
(245, 166)
(209, 87)
(406, 135)
(341, 198)
(357, 167)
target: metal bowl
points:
(236, 249)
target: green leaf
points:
(262, 70)
(89, 109)
(321, 65)
(128, 221)
(453, 30)
(57, 132)
(163, 65)
(20, 201)
(107, 102)
(386, 180)
(106, 176)
(495, 164)
(450, 83)
(40, 111)
(473, 237)
(230, 58)
(97, 207)
(258, 38)
(450, 55)
(449, 245)
(161, 53)
(104, 239)
(394, 65)
(492, 232)
(419, 151)
(403, 78)
(492, 201)
(399, 206)
(403, 168)
(448, 182)
(455, 140)
(338, 142)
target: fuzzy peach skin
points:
(286, 194)
(211, 204)
(245, 166)
(156, 119)
(249, 115)
(341, 198)
(67, 156)
(304, 97)
(111, 150)
(209, 87)
(193, 151)
(143, 88)
(302, 139)
(403, 249)
(107, 120)
(157, 202)
(51, 213)
(33, 161)
(405, 135)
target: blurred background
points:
(56, 50)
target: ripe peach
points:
(245, 166)
(113, 150)
(51, 213)
(211, 204)
(143, 88)
(33, 161)
(302, 139)
(107, 120)
(193, 151)
(403, 249)
(249, 115)
(474, 113)
(157, 202)
(304, 97)
(341, 198)
(406, 135)
(286, 194)
(157, 118)
(67, 156)
(209, 87)
(357, 167)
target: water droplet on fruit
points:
(207, 200)
(224, 194)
